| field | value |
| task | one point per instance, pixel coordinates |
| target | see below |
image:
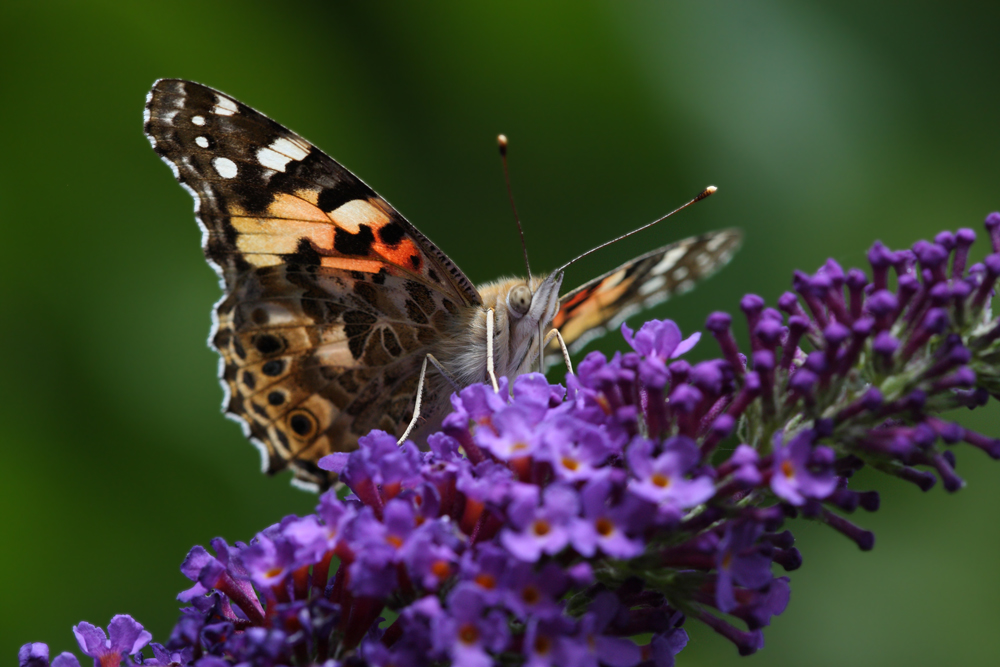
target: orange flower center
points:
(441, 569)
(542, 645)
(604, 527)
(660, 480)
(570, 464)
(468, 634)
(541, 527)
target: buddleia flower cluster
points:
(584, 523)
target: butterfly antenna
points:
(502, 143)
(702, 195)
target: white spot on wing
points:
(198, 120)
(293, 147)
(201, 141)
(702, 260)
(272, 159)
(281, 152)
(680, 273)
(714, 244)
(651, 286)
(224, 106)
(225, 167)
(669, 260)
(685, 286)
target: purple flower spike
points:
(483, 542)
(993, 227)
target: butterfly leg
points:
(420, 393)
(565, 352)
(489, 350)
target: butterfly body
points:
(515, 346)
(333, 300)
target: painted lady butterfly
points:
(334, 302)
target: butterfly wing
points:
(331, 295)
(601, 304)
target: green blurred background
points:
(825, 127)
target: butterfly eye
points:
(519, 300)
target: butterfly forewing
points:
(332, 297)
(605, 302)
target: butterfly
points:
(333, 303)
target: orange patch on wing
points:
(288, 220)
(400, 254)
(351, 264)
(292, 207)
(583, 311)
(279, 236)
(282, 229)
(309, 195)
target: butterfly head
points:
(529, 310)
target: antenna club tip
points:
(502, 144)
(711, 189)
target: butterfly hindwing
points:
(332, 297)
(313, 362)
(605, 302)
